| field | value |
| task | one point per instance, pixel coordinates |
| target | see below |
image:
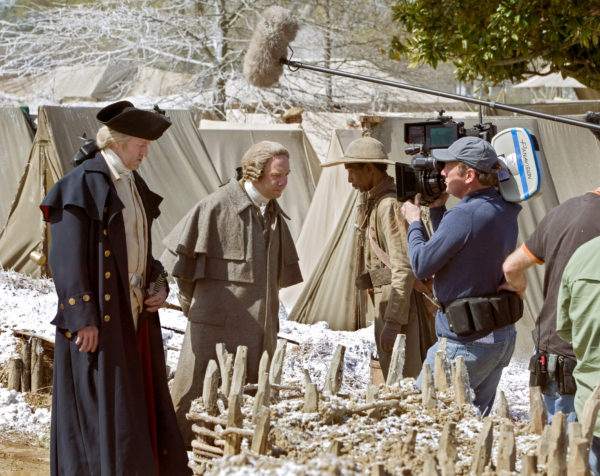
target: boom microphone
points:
(277, 28)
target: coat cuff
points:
(76, 312)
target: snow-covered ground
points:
(28, 304)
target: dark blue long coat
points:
(99, 420)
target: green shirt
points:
(578, 319)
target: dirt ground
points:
(22, 457)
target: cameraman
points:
(465, 254)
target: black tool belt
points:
(472, 315)
(546, 368)
(374, 278)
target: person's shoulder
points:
(583, 262)
(389, 201)
(222, 200)
(221, 196)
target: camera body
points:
(423, 174)
(519, 179)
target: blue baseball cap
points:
(471, 151)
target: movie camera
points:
(519, 177)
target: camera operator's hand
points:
(412, 210)
(440, 201)
(388, 335)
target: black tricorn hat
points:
(124, 117)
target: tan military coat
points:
(229, 265)
(396, 301)
(391, 302)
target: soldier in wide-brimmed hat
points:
(393, 306)
(111, 409)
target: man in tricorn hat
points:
(111, 409)
(393, 306)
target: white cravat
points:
(136, 237)
(256, 197)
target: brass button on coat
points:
(107, 274)
(72, 301)
(105, 231)
(86, 297)
(105, 210)
(62, 306)
(107, 297)
(106, 318)
(107, 253)
(68, 335)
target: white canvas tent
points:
(86, 83)
(16, 137)
(552, 80)
(572, 164)
(332, 202)
(177, 168)
(153, 82)
(227, 142)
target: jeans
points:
(484, 358)
(555, 402)
(595, 456)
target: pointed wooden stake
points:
(37, 365)
(543, 446)
(261, 432)
(239, 371)
(15, 370)
(263, 395)
(529, 465)
(502, 406)
(538, 415)
(429, 465)
(210, 389)
(557, 448)
(397, 361)
(427, 388)
(311, 399)
(483, 448)
(277, 362)
(26, 356)
(462, 391)
(371, 397)
(221, 356)
(333, 381)
(407, 448)
(335, 448)
(226, 376)
(233, 441)
(264, 363)
(441, 371)
(507, 450)
(590, 413)
(447, 451)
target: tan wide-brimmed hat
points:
(365, 149)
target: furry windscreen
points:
(275, 30)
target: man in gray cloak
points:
(230, 255)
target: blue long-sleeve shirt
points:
(466, 251)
